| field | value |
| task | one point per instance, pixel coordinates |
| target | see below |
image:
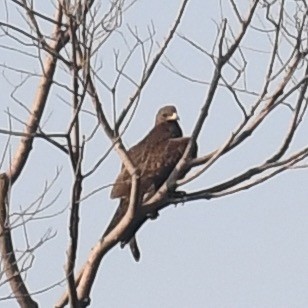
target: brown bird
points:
(155, 157)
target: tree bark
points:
(7, 252)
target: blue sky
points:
(244, 250)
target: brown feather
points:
(155, 157)
(146, 155)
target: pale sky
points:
(249, 249)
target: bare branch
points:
(152, 65)
(7, 251)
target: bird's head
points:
(166, 114)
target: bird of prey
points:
(155, 157)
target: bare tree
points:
(63, 63)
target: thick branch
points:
(23, 151)
(7, 251)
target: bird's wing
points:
(149, 157)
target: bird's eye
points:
(165, 115)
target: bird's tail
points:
(133, 245)
(120, 212)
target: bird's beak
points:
(173, 117)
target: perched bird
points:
(155, 157)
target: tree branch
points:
(10, 265)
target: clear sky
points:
(244, 250)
